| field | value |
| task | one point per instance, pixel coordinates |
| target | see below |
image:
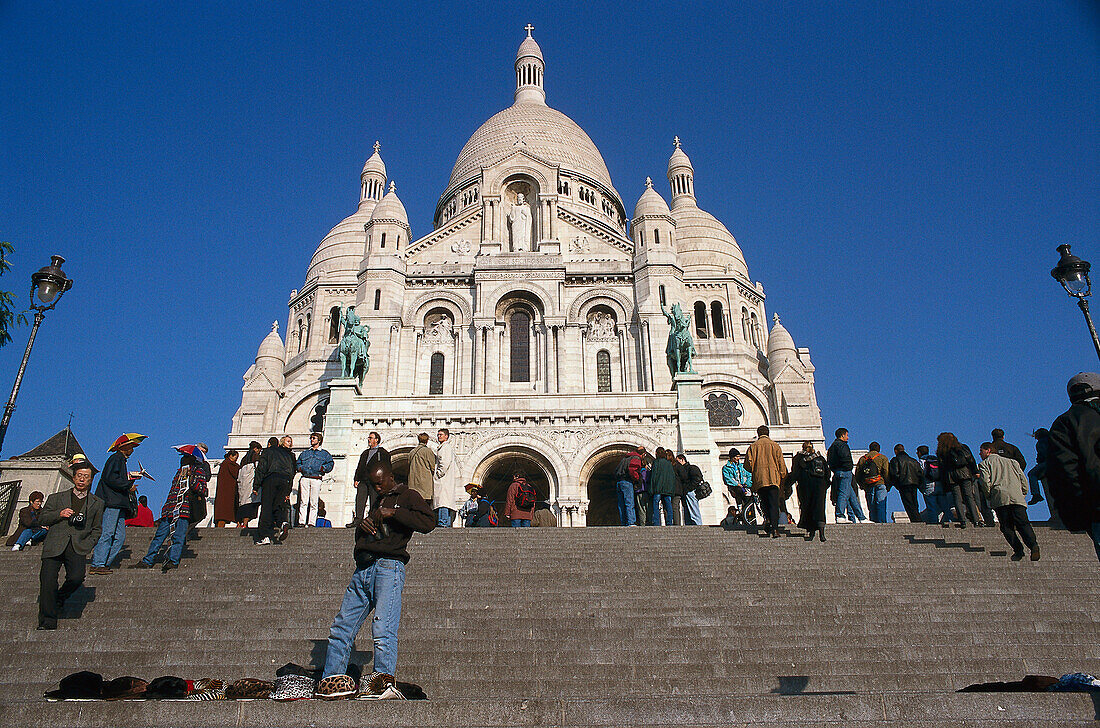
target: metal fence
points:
(9, 499)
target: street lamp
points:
(1073, 274)
(49, 283)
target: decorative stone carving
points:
(579, 244)
(439, 328)
(601, 326)
(354, 361)
(462, 247)
(680, 348)
(723, 410)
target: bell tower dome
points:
(529, 68)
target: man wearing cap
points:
(75, 520)
(1073, 460)
(116, 487)
(313, 464)
(737, 480)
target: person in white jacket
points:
(449, 495)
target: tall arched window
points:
(307, 331)
(435, 379)
(377, 298)
(301, 334)
(717, 320)
(700, 320)
(656, 236)
(754, 329)
(745, 324)
(519, 326)
(661, 291)
(383, 240)
(603, 371)
(334, 325)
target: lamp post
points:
(1073, 274)
(49, 283)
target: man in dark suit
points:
(373, 455)
(75, 520)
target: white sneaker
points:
(16, 547)
(842, 519)
(264, 542)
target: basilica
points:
(532, 321)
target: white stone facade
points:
(529, 323)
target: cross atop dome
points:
(393, 186)
(377, 147)
(528, 28)
(676, 142)
(649, 183)
(775, 318)
(529, 69)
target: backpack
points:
(932, 468)
(622, 471)
(703, 490)
(868, 472)
(525, 496)
(816, 467)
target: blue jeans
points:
(521, 523)
(444, 516)
(375, 588)
(111, 540)
(655, 511)
(876, 502)
(624, 492)
(175, 551)
(1035, 480)
(939, 508)
(29, 535)
(694, 516)
(847, 502)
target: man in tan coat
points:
(1004, 484)
(422, 468)
(764, 459)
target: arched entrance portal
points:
(494, 474)
(598, 475)
(399, 461)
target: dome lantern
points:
(373, 178)
(529, 69)
(681, 176)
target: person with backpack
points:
(810, 472)
(959, 471)
(872, 474)
(643, 499)
(520, 502)
(693, 479)
(839, 457)
(627, 475)
(662, 484)
(907, 476)
(938, 509)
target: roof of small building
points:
(62, 445)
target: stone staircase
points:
(590, 627)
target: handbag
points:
(703, 490)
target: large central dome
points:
(536, 128)
(532, 126)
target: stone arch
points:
(598, 483)
(305, 402)
(531, 441)
(618, 438)
(509, 168)
(415, 311)
(745, 391)
(494, 473)
(618, 302)
(503, 291)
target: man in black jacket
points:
(907, 475)
(1007, 449)
(381, 553)
(374, 454)
(839, 460)
(1073, 462)
(116, 489)
(274, 477)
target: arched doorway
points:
(598, 475)
(399, 461)
(494, 474)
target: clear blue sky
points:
(898, 176)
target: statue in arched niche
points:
(519, 223)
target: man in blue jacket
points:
(313, 464)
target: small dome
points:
(781, 348)
(679, 160)
(704, 244)
(272, 346)
(529, 48)
(342, 249)
(390, 209)
(375, 163)
(651, 202)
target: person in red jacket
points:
(144, 516)
(520, 502)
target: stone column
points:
(621, 336)
(696, 442)
(492, 361)
(647, 361)
(338, 439)
(393, 359)
(554, 374)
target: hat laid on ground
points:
(293, 668)
(166, 687)
(124, 688)
(249, 688)
(293, 687)
(128, 438)
(207, 689)
(81, 685)
(335, 687)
